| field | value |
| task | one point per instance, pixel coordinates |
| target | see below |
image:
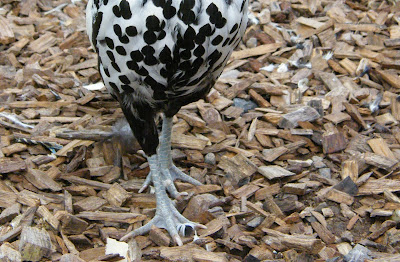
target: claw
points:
(146, 183)
(170, 185)
(127, 236)
(177, 240)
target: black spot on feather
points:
(125, 9)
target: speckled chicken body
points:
(160, 55)
(157, 56)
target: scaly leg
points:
(169, 170)
(162, 174)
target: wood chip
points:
(305, 116)
(272, 172)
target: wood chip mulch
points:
(297, 145)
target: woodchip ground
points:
(297, 145)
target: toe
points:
(169, 185)
(146, 183)
(178, 174)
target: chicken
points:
(156, 56)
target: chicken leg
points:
(162, 174)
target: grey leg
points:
(169, 171)
(162, 174)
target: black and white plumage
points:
(157, 56)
